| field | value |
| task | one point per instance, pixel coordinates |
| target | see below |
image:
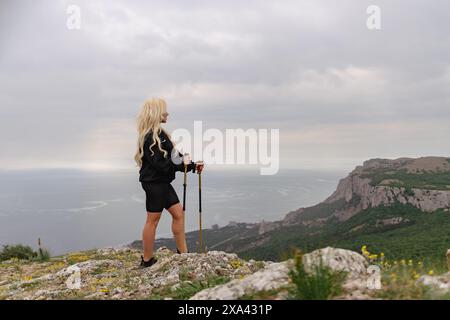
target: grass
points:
(320, 284)
(23, 252)
(17, 251)
(261, 295)
(188, 289)
(183, 274)
(43, 255)
(420, 236)
(399, 278)
(430, 180)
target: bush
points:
(43, 255)
(20, 251)
(321, 284)
(17, 251)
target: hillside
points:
(395, 212)
(400, 207)
(113, 273)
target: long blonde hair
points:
(150, 118)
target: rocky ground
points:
(114, 273)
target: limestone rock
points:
(274, 276)
(338, 260)
(440, 283)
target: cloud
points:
(71, 97)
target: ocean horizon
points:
(72, 210)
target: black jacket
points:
(156, 168)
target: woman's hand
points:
(199, 166)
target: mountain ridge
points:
(394, 191)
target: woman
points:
(158, 161)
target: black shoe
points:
(178, 251)
(149, 263)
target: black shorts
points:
(159, 196)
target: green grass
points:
(322, 210)
(430, 180)
(262, 295)
(399, 280)
(43, 255)
(188, 289)
(320, 284)
(23, 252)
(17, 251)
(423, 236)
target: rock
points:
(337, 260)
(117, 290)
(114, 250)
(355, 284)
(355, 295)
(118, 276)
(273, 276)
(89, 266)
(358, 193)
(440, 283)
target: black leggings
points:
(159, 196)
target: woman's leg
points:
(177, 213)
(148, 234)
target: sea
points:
(71, 210)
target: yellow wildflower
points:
(364, 251)
(236, 263)
(431, 272)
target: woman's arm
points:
(166, 165)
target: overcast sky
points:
(339, 92)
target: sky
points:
(339, 92)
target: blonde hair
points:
(150, 118)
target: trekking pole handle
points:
(186, 159)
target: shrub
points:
(20, 251)
(321, 283)
(17, 251)
(43, 255)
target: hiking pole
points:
(200, 208)
(186, 160)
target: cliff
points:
(393, 204)
(423, 183)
